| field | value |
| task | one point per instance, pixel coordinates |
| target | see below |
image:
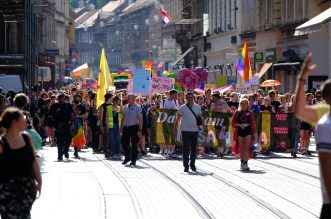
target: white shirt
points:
(169, 104)
(189, 121)
(323, 142)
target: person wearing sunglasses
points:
(188, 115)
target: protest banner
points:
(275, 131)
(162, 85)
(217, 124)
(141, 81)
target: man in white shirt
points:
(188, 114)
(169, 103)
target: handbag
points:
(198, 118)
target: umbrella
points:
(270, 83)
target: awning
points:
(287, 66)
(182, 56)
(314, 24)
(264, 69)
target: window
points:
(265, 13)
(289, 11)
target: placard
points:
(141, 81)
(162, 85)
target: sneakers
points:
(244, 167)
(76, 154)
(186, 169)
(66, 155)
(193, 168)
(294, 154)
(125, 162)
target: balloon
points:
(257, 147)
(187, 79)
(172, 75)
(201, 74)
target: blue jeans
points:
(115, 139)
(297, 140)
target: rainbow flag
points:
(78, 137)
(244, 65)
(149, 66)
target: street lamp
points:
(102, 24)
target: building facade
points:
(18, 40)
(223, 39)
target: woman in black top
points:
(19, 168)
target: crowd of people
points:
(122, 124)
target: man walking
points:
(63, 114)
(131, 128)
(189, 114)
(168, 149)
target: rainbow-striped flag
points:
(244, 65)
(149, 66)
(78, 137)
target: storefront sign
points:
(270, 55)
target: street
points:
(93, 187)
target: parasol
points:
(270, 83)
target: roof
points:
(77, 10)
(108, 9)
(137, 5)
(87, 19)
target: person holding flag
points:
(80, 113)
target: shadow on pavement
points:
(253, 171)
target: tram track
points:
(250, 195)
(287, 168)
(134, 199)
(202, 211)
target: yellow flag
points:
(104, 79)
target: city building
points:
(222, 42)
(18, 40)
